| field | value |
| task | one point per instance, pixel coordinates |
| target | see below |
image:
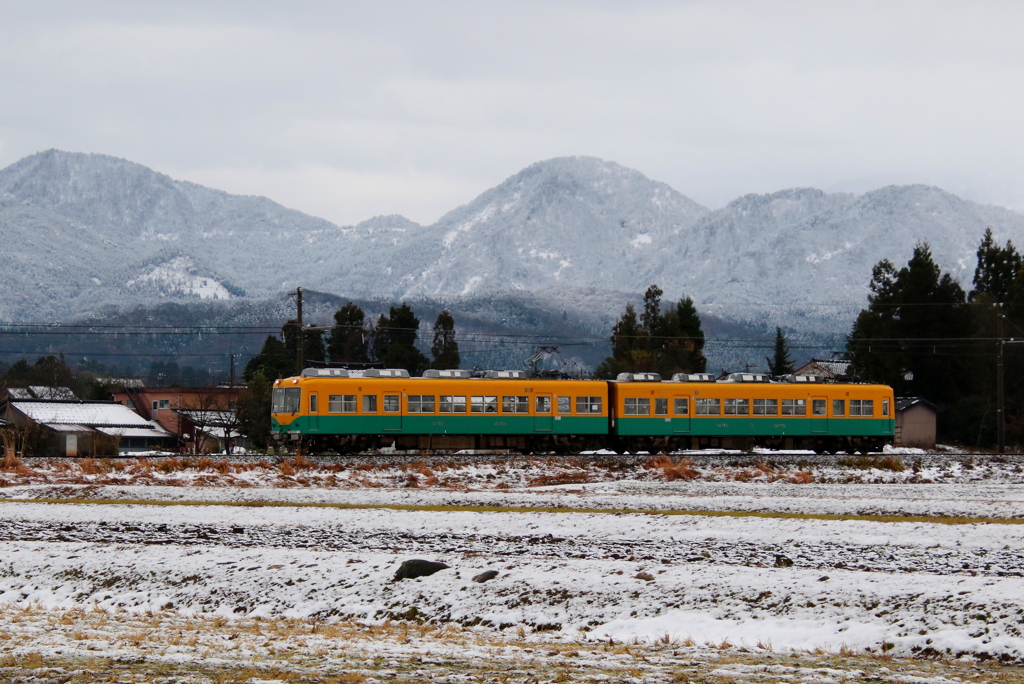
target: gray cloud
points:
(346, 110)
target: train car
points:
(343, 411)
(747, 410)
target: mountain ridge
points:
(119, 233)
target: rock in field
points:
(486, 575)
(417, 567)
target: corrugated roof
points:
(153, 431)
(93, 414)
(68, 427)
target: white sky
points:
(350, 109)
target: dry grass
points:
(671, 470)
(893, 463)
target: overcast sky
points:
(346, 110)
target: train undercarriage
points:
(574, 444)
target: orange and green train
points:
(344, 411)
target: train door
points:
(543, 418)
(682, 408)
(392, 421)
(819, 414)
(314, 412)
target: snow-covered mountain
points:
(83, 231)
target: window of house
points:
(341, 403)
(565, 405)
(737, 407)
(369, 403)
(542, 405)
(453, 404)
(483, 404)
(818, 407)
(682, 406)
(766, 407)
(794, 407)
(637, 407)
(591, 405)
(661, 407)
(392, 403)
(838, 407)
(708, 407)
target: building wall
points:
(215, 398)
(915, 427)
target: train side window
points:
(637, 407)
(588, 405)
(766, 407)
(565, 405)
(708, 407)
(341, 403)
(862, 407)
(737, 407)
(885, 407)
(794, 407)
(818, 407)
(542, 405)
(392, 403)
(421, 403)
(484, 404)
(838, 407)
(515, 404)
(313, 402)
(369, 403)
(453, 404)
(660, 407)
(682, 406)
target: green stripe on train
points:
(445, 424)
(749, 426)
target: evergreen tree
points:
(394, 340)
(912, 335)
(445, 348)
(253, 409)
(997, 270)
(347, 341)
(664, 343)
(273, 361)
(780, 364)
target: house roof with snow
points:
(903, 403)
(209, 417)
(829, 368)
(84, 413)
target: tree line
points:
(925, 336)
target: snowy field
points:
(605, 560)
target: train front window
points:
(766, 407)
(286, 400)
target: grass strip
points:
(933, 519)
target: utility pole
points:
(299, 362)
(231, 356)
(1000, 398)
